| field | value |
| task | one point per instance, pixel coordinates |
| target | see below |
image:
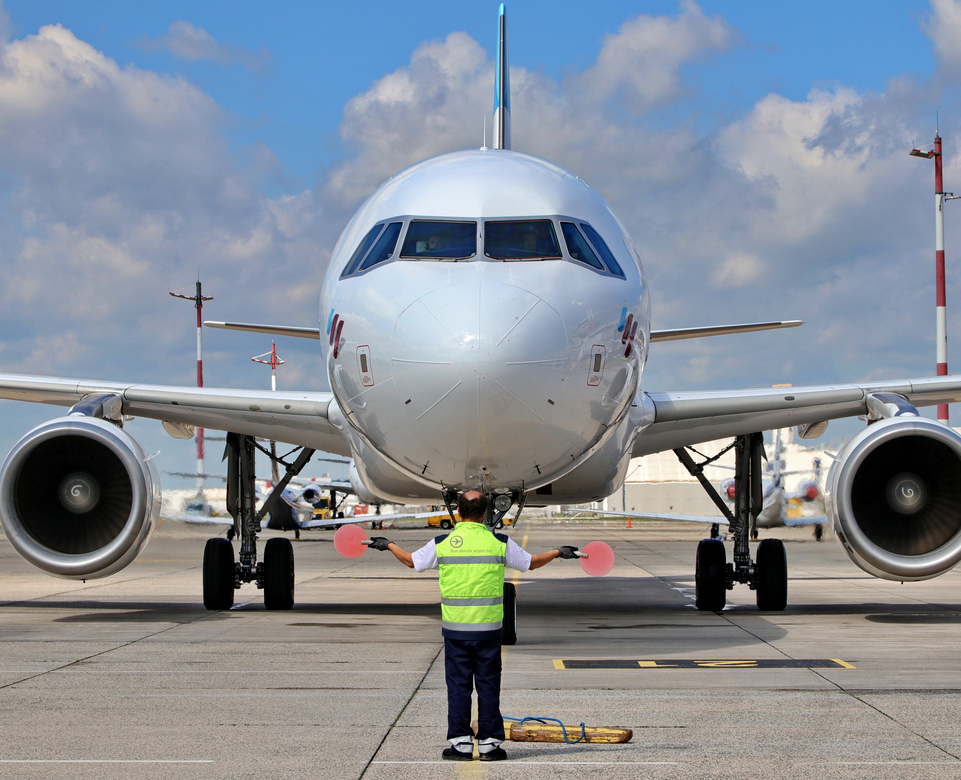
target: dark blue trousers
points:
(471, 663)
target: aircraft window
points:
(527, 240)
(362, 250)
(578, 247)
(384, 247)
(602, 249)
(440, 240)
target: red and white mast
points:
(273, 362)
(941, 317)
(198, 299)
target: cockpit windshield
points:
(440, 240)
(507, 240)
(527, 240)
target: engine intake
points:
(896, 498)
(78, 497)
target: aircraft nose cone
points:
(477, 367)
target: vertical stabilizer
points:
(502, 88)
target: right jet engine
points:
(895, 498)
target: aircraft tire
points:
(510, 614)
(218, 574)
(278, 574)
(710, 575)
(771, 575)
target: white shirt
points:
(516, 557)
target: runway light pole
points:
(198, 299)
(940, 196)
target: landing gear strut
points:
(275, 574)
(768, 576)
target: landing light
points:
(502, 503)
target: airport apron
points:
(471, 561)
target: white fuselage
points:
(452, 373)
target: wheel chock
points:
(532, 731)
(535, 731)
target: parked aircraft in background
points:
(780, 508)
(485, 320)
(783, 508)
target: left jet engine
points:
(78, 497)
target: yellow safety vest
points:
(471, 563)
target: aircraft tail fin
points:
(502, 87)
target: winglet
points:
(502, 87)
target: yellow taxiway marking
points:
(585, 664)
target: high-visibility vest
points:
(471, 560)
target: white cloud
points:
(641, 63)
(187, 42)
(116, 184)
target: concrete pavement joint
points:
(401, 713)
(886, 715)
(121, 646)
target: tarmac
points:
(130, 676)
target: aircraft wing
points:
(660, 516)
(292, 417)
(791, 522)
(336, 485)
(180, 517)
(368, 518)
(682, 419)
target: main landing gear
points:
(713, 575)
(222, 575)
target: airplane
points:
(298, 509)
(484, 321)
(779, 508)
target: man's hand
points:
(379, 543)
(566, 552)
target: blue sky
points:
(756, 152)
(319, 55)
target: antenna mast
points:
(198, 299)
(940, 196)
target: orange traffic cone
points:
(628, 522)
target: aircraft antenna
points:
(198, 298)
(273, 362)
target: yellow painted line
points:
(727, 664)
(653, 665)
(559, 664)
(843, 664)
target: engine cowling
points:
(78, 497)
(895, 498)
